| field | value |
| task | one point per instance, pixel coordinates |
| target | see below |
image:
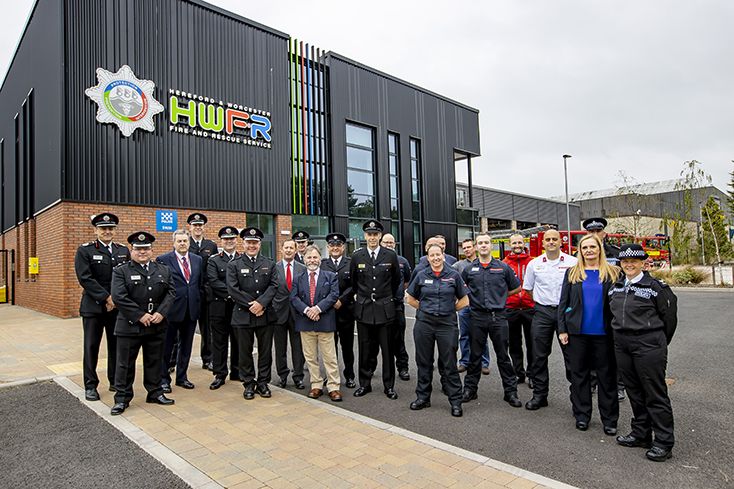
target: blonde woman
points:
(584, 326)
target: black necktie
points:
(372, 254)
(252, 259)
(336, 263)
(145, 267)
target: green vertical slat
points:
(299, 118)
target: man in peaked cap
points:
(302, 240)
(93, 265)
(376, 280)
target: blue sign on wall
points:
(166, 221)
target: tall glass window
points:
(393, 158)
(415, 185)
(360, 143)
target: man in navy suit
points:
(313, 296)
(188, 281)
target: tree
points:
(716, 242)
(628, 219)
(693, 177)
(731, 194)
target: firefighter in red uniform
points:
(519, 312)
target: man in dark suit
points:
(313, 297)
(143, 292)
(93, 264)
(188, 280)
(301, 238)
(221, 305)
(339, 264)
(376, 283)
(205, 248)
(251, 283)
(280, 316)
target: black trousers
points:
(205, 330)
(223, 338)
(128, 348)
(519, 322)
(345, 337)
(543, 331)
(495, 325)
(281, 333)
(398, 346)
(587, 352)
(642, 360)
(374, 338)
(246, 342)
(185, 330)
(94, 327)
(429, 333)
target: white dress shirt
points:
(544, 278)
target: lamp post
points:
(568, 210)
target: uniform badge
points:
(361, 265)
(428, 281)
(475, 269)
(97, 257)
(135, 277)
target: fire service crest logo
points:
(124, 100)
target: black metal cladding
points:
(193, 47)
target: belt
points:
(543, 305)
(490, 311)
(636, 332)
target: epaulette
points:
(91, 243)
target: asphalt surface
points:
(49, 439)
(546, 441)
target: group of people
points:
(612, 324)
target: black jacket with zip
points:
(571, 306)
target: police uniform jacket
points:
(612, 253)
(216, 274)
(247, 282)
(571, 307)
(279, 311)
(93, 264)
(488, 286)
(646, 305)
(405, 274)
(437, 294)
(377, 286)
(136, 293)
(346, 295)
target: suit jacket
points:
(93, 265)
(136, 292)
(247, 282)
(377, 286)
(571, 307)
(188, 295)
(345, 314)
(279, 311)
(216, 274)
(327, 293)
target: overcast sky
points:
(634, 86)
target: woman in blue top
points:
(437, 292)
(584, 326)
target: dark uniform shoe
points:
(112, 389)
(610, 430)
(391, 394)
(457, 411)
(218, 382)
(185, 384)
(166, 388)
(404, 375)
(419, 404)
(513, 400)
(536, 403)
(299, 385)
(118, 408)
(582, 425)
(162, 399)
(632, 441)
(91, 394)
(362, 391)
(350, 383)
(659, 454)
(621, 395)
(249, 393)
(468, 396)
(264, 390)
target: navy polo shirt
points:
(488, 286)
(437, 294)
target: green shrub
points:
(687, 275)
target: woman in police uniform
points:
(437, 292)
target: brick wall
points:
(60, 230)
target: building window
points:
(461, 197)
(361, 171)
(393, 159)
(266, 224)
(415, 186)
(498, 224)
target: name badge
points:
(427, 281)
(245, 270)
(474, 269)
(97, 257)
(361, 265)
(135, 277)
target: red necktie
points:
(288, 276)
(187, 272)
(312, 287)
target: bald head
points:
(388, 241)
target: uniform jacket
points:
(518, 262)
(93, 265)
(327, 293)
(488, 287)
(346, 312)
(571, 307)
(216, 275)
(136, 292)
(188, 295)
(647, 305)
(247, 282)
(437, 295)
(279, 311)
(377, 287)
(207, 249)
(612, 253)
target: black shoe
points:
(468, 396)
(185, 384)
(234, 376)
(391, 394)
(207, 366)
(404, 375)
(249, 393)
(282, 383)
(118, 408)
(520, 379)
(659, 454)
(456, 411)
(610, 430)
(531, 384)
(218, 382)
(419, 404)
(621, 395)
(160, 400)
(112, 389)
(350, 383)
(513, 400)
(632, 441)
(171, 368)
(300, 386)
(264, 390)
(582, 425)
(91, 394)
(362, 391)
(536, 403)
(166, 388)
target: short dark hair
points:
(468, 240)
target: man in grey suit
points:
(280, 315)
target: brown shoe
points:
(461, 368)
(315, 393)
(485, 370)
(335, 396)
